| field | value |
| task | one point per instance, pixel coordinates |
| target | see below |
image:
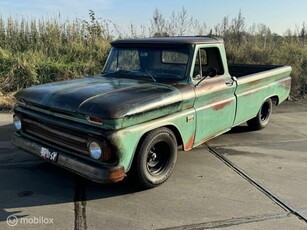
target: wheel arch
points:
(177, 134)
(262, 118)
(275, 100)
(171, 127)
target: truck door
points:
(215, 102)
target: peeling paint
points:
(255, 82)
(221, 105)
(130, 108)
(286, 83)
(189, 144)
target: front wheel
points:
(156, 157)
(263, 116)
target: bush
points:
(39, 51)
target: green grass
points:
(42, 51)
(39, 51)
(279, 51)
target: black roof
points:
(184, 40)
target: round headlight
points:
(95, 150)
(17, 122)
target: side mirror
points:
(211, 72)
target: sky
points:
(278, 15)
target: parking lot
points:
(240, 180)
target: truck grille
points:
(54, 135)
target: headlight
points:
(17, 122)
(95, 150)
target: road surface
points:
(240, 180)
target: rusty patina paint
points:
(214, 104)
(130, 108)
(268, 85)
(189, 144)
(116, 175)
(285, 83)
(221, 105)
(109, 98)
(255, 82)
(211, 85)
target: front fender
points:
(126, 140)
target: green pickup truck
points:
(153, 96)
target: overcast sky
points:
(279, 15)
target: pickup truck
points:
(153, 97)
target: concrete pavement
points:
(203, 192)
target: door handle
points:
(231, 81)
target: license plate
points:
(47, 154)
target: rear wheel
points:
(156, 157)
(263, 116)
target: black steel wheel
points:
(156, 157)
(263, 117)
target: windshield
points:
(155, 63)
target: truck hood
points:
(105, 97)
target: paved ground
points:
(240, 180)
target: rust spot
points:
(285, 84)
(210, 85)
(255, 82)
(189, 144)
(115, 175)
(221, 105)
(183, 88)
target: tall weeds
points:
(37, 51)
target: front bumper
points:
(85, 168)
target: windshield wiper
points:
(119, 71)
(150, 75)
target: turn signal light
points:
(96, 120)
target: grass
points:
(39, 51)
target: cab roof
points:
(172, 41)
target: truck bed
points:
(240, 70)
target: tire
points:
(156, 158)
(263, 117)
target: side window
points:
(201, 61)
(207, 58)
(203, 57)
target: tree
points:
(238, 27)
(158, 24)
(264, 33)
(302, 34)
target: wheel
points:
(263, 116)
(156, 158)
